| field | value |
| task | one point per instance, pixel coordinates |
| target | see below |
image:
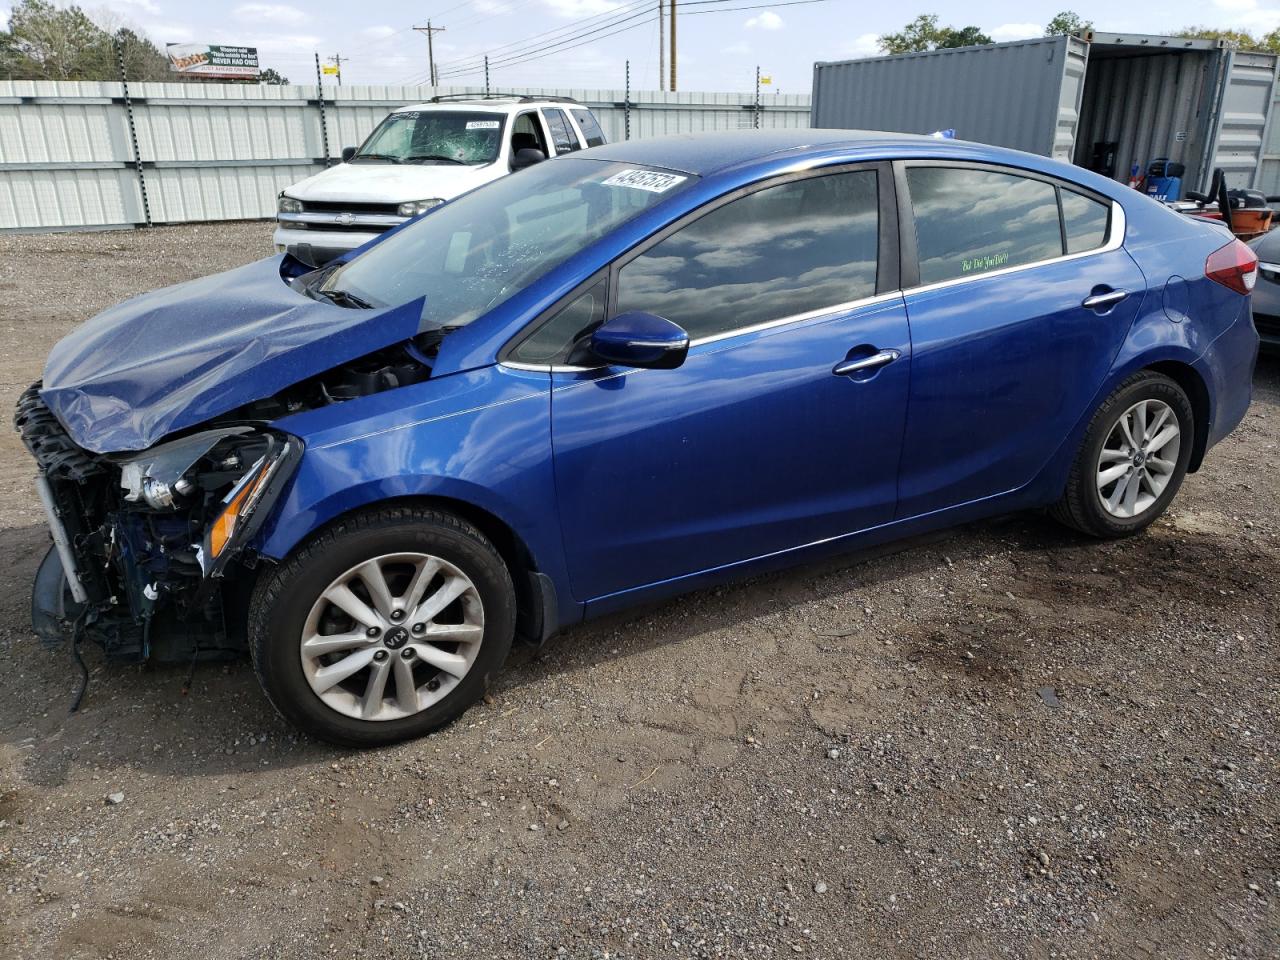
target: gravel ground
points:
(1004, 741)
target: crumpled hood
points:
(178, 356)
(391, 182)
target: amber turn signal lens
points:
(225, 526)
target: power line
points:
(516, 47)
(517, 57)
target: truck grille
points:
(343, 206)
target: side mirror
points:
(639, 339)
(527, 157)
(348, 153)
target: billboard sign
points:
(213, 61)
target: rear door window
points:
(590, 127)
(969, 222)
(561, 133)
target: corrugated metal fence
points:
(223, 151)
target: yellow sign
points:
(766, 80)
(329, 70)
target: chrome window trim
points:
(794, 318)
(1115, 240)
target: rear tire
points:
(1132, 460)
(411, 609)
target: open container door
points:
(1241, 123)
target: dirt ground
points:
(1005, 741)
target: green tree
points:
(962, 37)
(1067, 22)
(142, 58)
(270, 76)
(924, 33)
(45, 42)
(1269, 43)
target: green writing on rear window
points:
(988, 262)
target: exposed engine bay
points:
(152, 556)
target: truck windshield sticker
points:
(645, 180)
(989, 262)
(482, 124)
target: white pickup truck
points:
(420, 156)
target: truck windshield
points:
(434, 136)
(475, 252)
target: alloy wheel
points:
(1138, 458)
(392, 636)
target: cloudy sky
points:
(720, 42)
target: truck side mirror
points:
(527, 157)
(348, 153)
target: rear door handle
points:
(866, 363)
(1108, 299)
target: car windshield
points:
(473, 253)
(434, 136)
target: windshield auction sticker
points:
(645, 180)
(482, 124)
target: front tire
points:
(386, 626)
(1133, 458)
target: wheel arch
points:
(1197, 391)
(537, 597)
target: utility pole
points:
(337, 62)
(662, 44)
(673, 46)
(431, 56)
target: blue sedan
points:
(610, 378)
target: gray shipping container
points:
(1104, 101)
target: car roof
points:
(708, 153)
(491, 105)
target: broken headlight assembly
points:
(220, 483)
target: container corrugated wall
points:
(224, 151)
(1012, 94)
(1152, 106)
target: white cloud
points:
(490, 6)
(130, 7)
(163, 33)
(378, 33)
(736, 50)
(1016, 31)
(270, 13)
(1247, 15)
(581, 8)
(865, 45)
(765, 21)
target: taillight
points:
(1234, 266)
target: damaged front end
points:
(150, 555)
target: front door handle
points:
(1101, 300)
(863, 364)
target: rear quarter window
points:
(1084, 221)
(590, 128)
